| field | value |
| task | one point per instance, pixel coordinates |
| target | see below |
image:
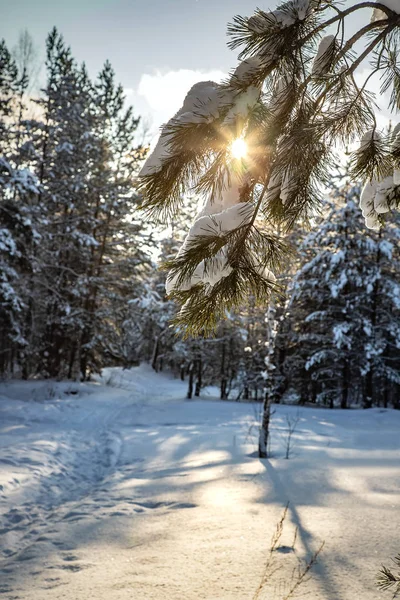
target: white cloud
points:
(164, 92)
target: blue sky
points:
(158, 48)
(180, 40)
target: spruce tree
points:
(343, 318)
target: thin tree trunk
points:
(199, 377)
(223, 375)
(156, 349)
(386, 394)
(264, 429)
(369, 397)
(190, 384)
(369, 388)
(345, 387)
(72, 361)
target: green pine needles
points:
(387, 580)
(293, 100)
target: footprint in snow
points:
(70, 558)
(74, 515)
(171, 505)
(73, 568)
(284, 549)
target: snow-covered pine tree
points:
(249, 327)
(18, 187)
(277, 380)
(119, 256)
(8, 88)
(62, 156)
(343, 310)
(73, 253)
(148, 326)
(259, 147)
(10, 301)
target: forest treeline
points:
(72, 251)
(79, 288)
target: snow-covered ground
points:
(122, 490)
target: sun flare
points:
(239, 148)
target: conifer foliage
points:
(341, 329)
(259, 147)
(71, 253)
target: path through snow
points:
(127, 491)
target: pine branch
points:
(291, 129)
(387, 580)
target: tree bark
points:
(199, 377)
(190, 385)
(156, 349)
(369, 389)
(264, 429)
(345, 386)
(223, 375)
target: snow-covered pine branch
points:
(290, 102)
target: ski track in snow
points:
(125, 490)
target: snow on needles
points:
(211, 224)
(324, 53)
(232, 103)
(379, 14)
(224, 212)
(201, 104)
(377, 195)
(204, 103)
(261, 22)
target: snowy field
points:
(122, 490)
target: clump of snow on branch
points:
(242, 104)
(371, 136)
(288, 182)
(281, 186)
(395, 148)
(206, 102)
(243, 100)
(201, 104)
(246, 69)
(378, 14)
(282, 93)
(340, 339)
(261, 22)
(378, 194)
(211, 224)
(324, 53)
(381, 205)
(367, 205)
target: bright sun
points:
(239, 148)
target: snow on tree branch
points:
(292, 101)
